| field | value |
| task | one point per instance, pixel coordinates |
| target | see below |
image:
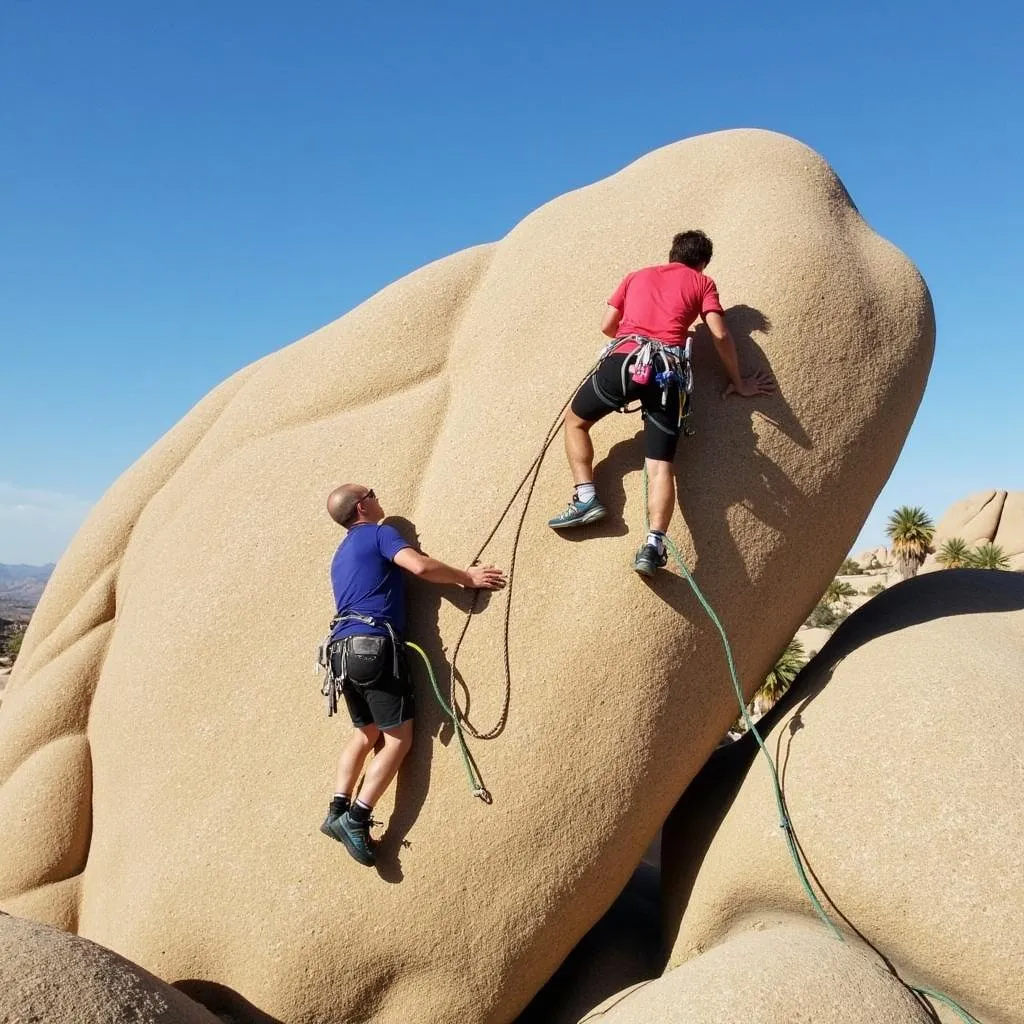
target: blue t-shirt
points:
(366, 580)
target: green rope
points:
(475, 782)
(784, 821)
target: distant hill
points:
(21, 586)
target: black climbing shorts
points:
(601, 393)
(388, 701)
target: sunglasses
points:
(369, 494)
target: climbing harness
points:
(335, 682)
(671, 367)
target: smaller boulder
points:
(770, 977)
(51, 977)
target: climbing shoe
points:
(648, 561)
(355, 835)
(326, 826)
(579, 513)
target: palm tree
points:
(838, 591)
(954, 554)
(781, 677)
(988, 556)
(911, 530)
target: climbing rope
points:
(784, 820)
(475, 782)
(529, 481)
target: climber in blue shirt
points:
(366, 651)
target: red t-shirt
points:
(662, 302)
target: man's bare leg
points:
(661, 494)
(353, 757)
(579, 449)
(385, 764)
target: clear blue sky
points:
(186, 187)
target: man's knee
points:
(365, 737)
(574, 422)
(659, 468)
(398, 739)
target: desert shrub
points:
(875, 588)
(850, 567)
(824, 616)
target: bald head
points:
(341, 502)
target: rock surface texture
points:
(996, 516)
(163, 701)
(905, 786)
(793, 973)
(50, 977)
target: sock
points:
(656, 538)
(359, 811)
(584, 493)
(340, 804)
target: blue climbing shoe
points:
(579, 513)
(648, 561)
(355, 835)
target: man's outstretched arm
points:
(476, 577)
(759, 383)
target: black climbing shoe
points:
(326, 826)
(648, 561)
(355, 835)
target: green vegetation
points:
(911, 530)
(838, 591)
(988, 556)
(781, 677)
(954, 554)
(777, 682)
(875, 588)
(850, 568)
(10, 641)
(825, 616)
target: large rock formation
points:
(996, 516)
(51, 977)
(905, 786)
(165, 757)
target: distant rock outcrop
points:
(873, 558)
(163, 702)
(996, 516)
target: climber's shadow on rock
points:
(413, 782)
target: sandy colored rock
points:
(876, 557)
(623, 948)
(793, 973)
(180, 625)
(50, 977)
(905, 786)
(996, 516)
